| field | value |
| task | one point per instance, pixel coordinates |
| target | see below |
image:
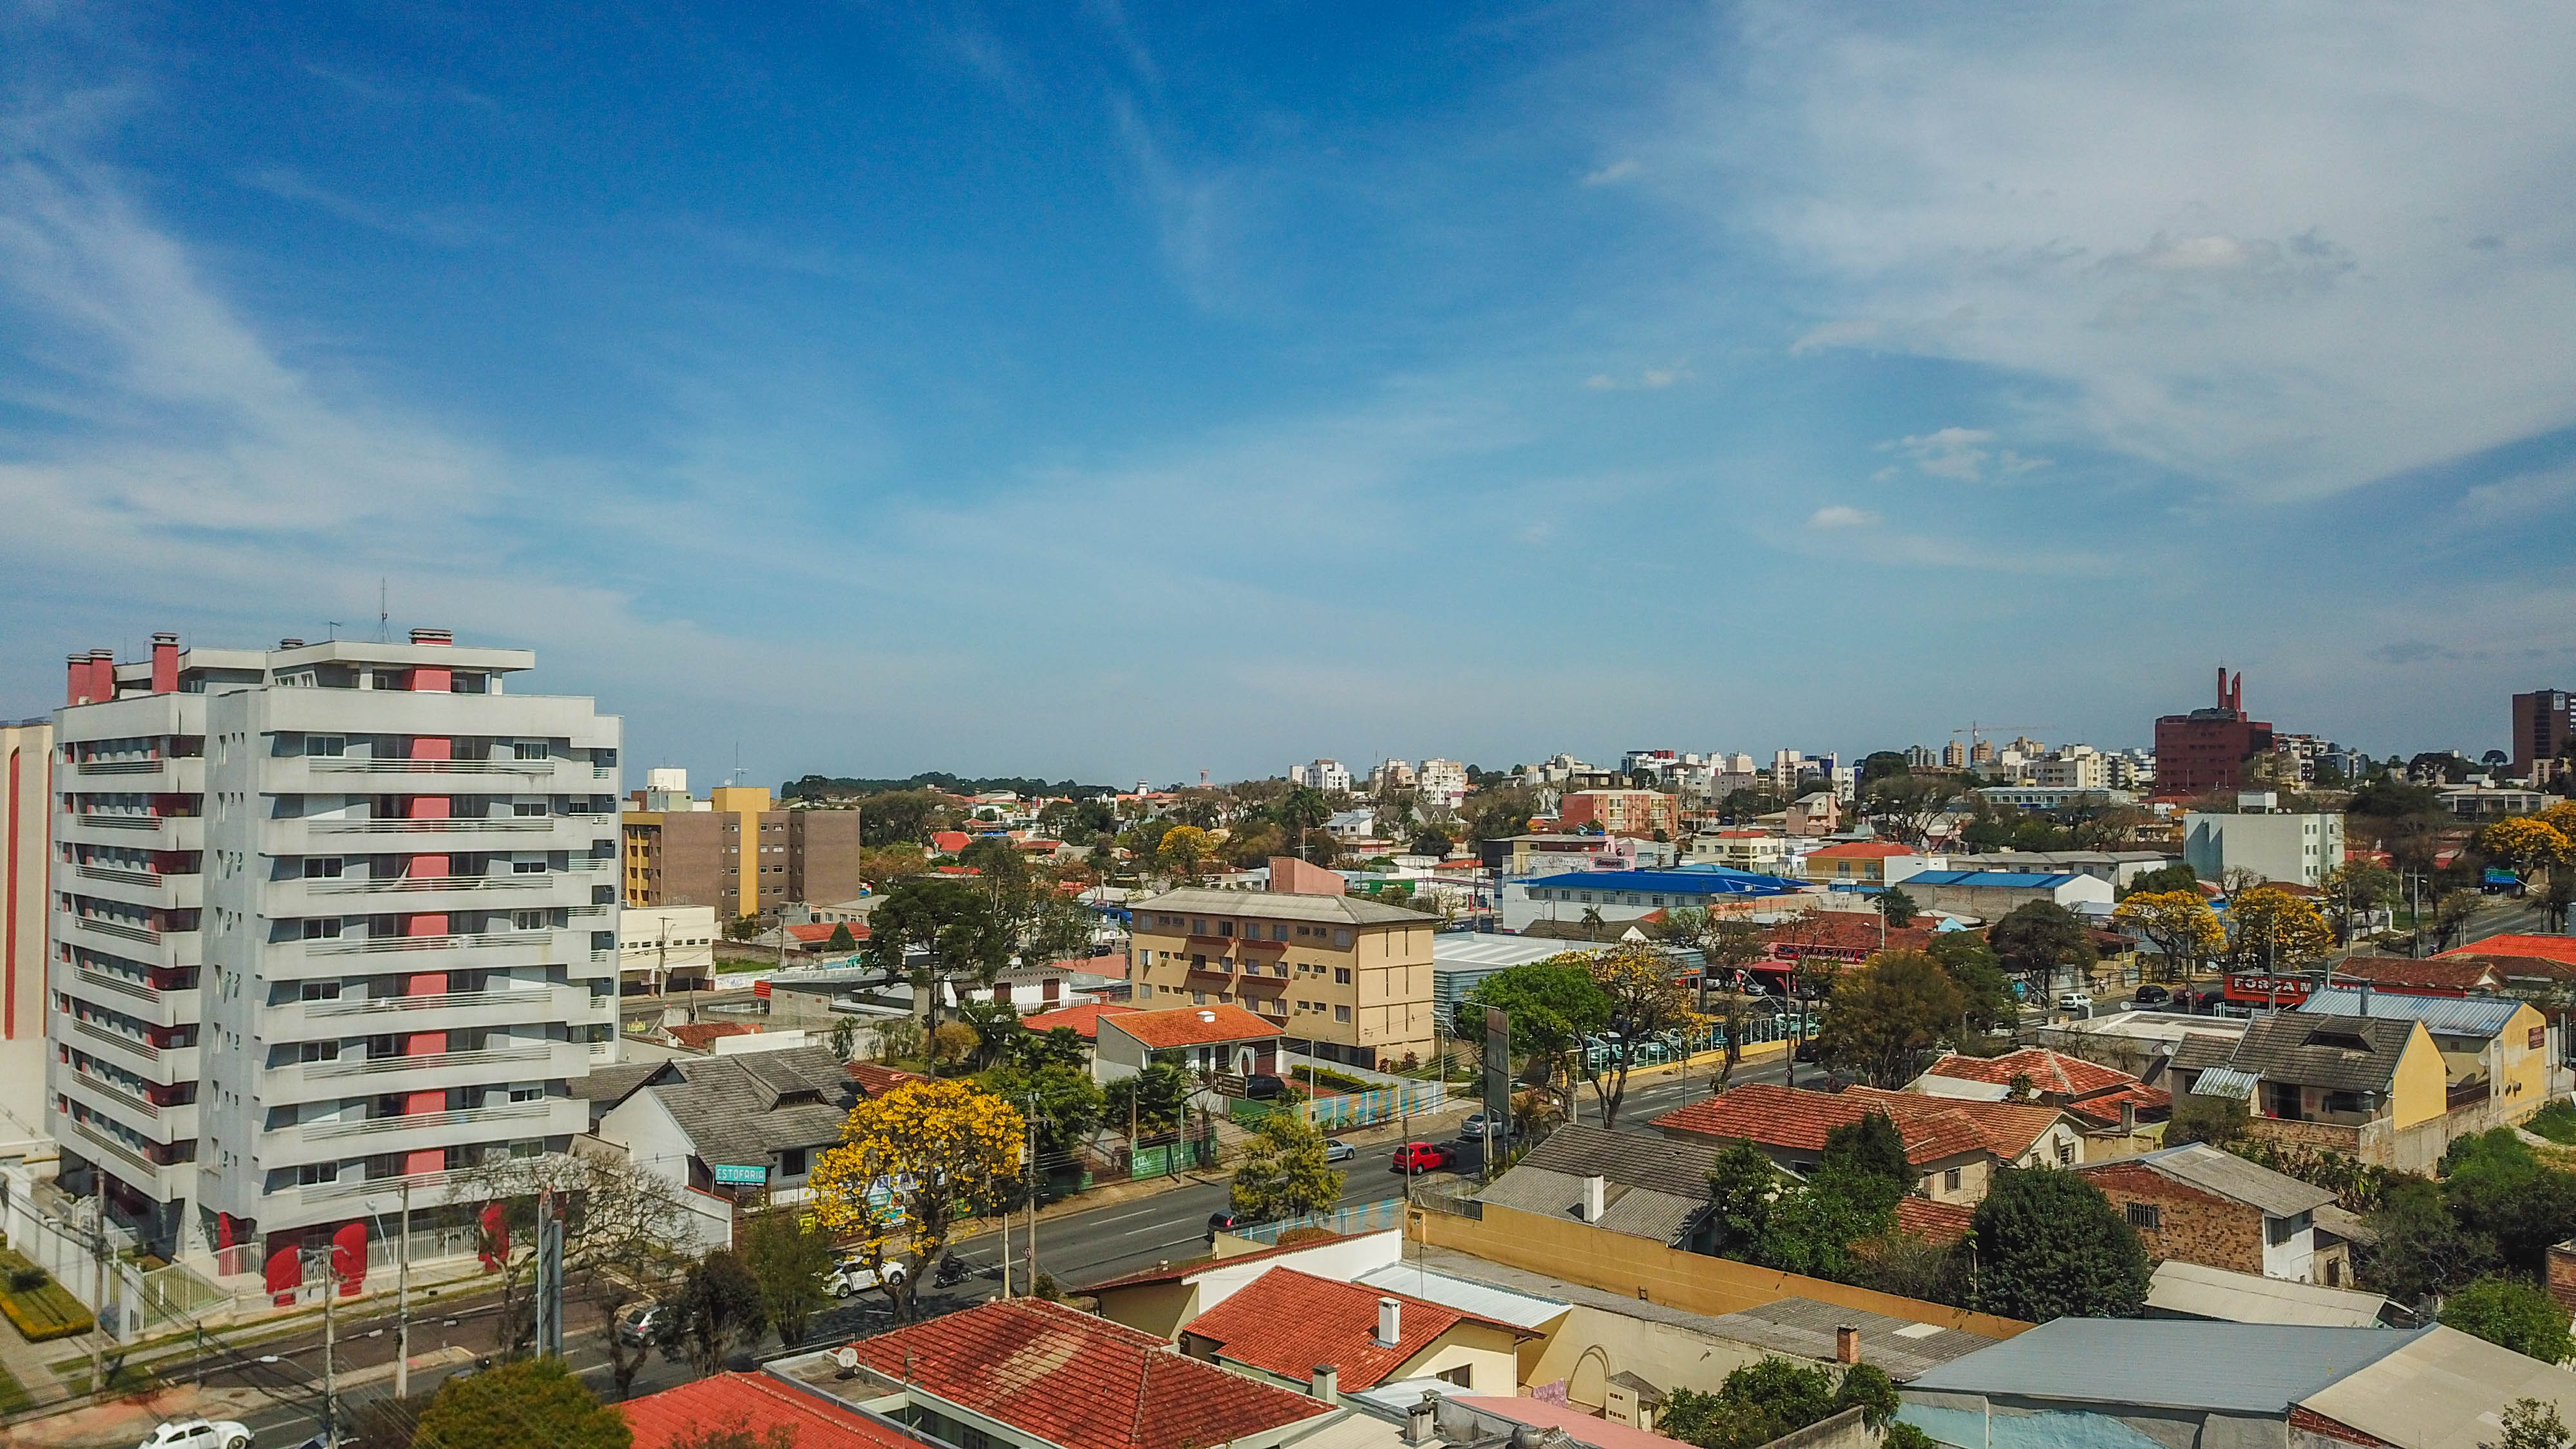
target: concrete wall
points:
(1637, 1267)
(1588, 1346)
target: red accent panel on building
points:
(349, 1258)
(165, 663)
(284, 1274)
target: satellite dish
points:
(847, 1358)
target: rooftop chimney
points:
(75, 679)
(2129, 1119)
(432, 636)
(102, 673)
(1846, 1344)
(1328, 1383)
(1422, 1419)
(2363, 993)
(1595, 1188)
(165, 664)
(1390, 1323)
(290, 643)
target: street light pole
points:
(402, 1303)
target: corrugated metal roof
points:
(1705, 881)
(2442, 1390)
(2191, 1290)
(2236, 1368)
(2449, 1015)
(1468, 949)
(2226, 1082)
(1524, 1310)
(1992, 879)
(2231, 1176)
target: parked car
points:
(852, 1276)
(2075, 1001)
(1473, 1129)
(1261, 1087)
(198, 1434)
(1336, 1150)
(645, 1323)
(2151, 995)
(1421, 1157)
(1227, 1220)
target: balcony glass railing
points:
(417, 1121)
(384, 1066)
(466, 825)
(360, 885)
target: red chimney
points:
(432, 636)
(76, 679)
(102, 674)
(165, 664)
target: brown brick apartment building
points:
(741, 857)
(2197, 1204)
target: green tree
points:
(2218, 1121)
(2353, 890)
(1883, 1017)
(2039, 937)
(2421, 1250)
(952, 922)
(2174, 877)
(787, 1261)
(2497, 1188)
(2050, 1245)
(720, 1311)
(2511, 1315)
(1741, 1184)
(900, 817)
(1282, 1173)
(1067, 1103)
(1645, 1001)
(1896, 907)
(1766, 1399)
(529, 1401)
(997, 1029)
(841, 940)
(1152, 1100)
(1985, 993)
(1552, 1004)
(2530, 1424)
(1870, 1147)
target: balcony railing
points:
(487, 825)
(371, 945)
(119, 1149)
(105, 981)
(432, 767)
(116, 1094)
(360, 885)
(106, 927)
(389, 1187)
(136, 1045)
(383, 1066)
(121, 767)
(120, 876)
(435, 1001)
(101, 821)
(381, 1126)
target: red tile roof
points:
(754, 1402)
(699, 1036)
(1079, 1381)
(2048, 1071)
(1195, 1026)
(822, 930)
(2548, 948)
(2104, 1109)
(1937, 1223)
(1861, 850)
(1287, 1322)
(1084, 1019)
(949, 842)
(1934, 1128)
(1841, 932)
(876, 1080)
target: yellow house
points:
(2493, 1050)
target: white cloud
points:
(1617, 171)
(1959, 454)
(1650, 379)
(2287, 248)
(1840, 515)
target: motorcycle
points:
(952, 1271)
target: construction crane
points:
(1977, 730)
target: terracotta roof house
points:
(759, 1404)
(1863, 863)
(2104, 1097)
(721, 1123)
(1083, 1020)
(1219, 1037)
(1840, 936)
(875, 1079)
(1160, 1299)
(1030, 1374)
(1956, 1145)
(1285, 1323)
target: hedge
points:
(42, 1313)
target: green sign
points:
(751, 1176)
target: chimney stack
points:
(432, 636)
(2129, 1119)
(1390, 1323)
(1422, 1419)
(102, 674)
(2364, 994)
(1595, 1188)
(1328, 1383)
(1846, 1344)
(75, 679)
(165, 664)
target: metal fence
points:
(1332, 1111)
(1367, 1217)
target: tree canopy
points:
(2050, 1245)
(2269, 928)
(910, 1164)
(1883, 1017)
(515, 1404)
(2178, 924)
(2513, 1315)
(1772, 1397)
(1282, 1173)
(2038, 937)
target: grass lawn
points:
(14, 1398)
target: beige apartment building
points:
(1347, 979)
(739, 854)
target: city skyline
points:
(726, 365)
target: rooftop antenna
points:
(334, 626)
(384, 630)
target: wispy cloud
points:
(1842, 515)
(1963, 455)
(1617, 171)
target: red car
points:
(1421, 1157)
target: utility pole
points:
(402, 1303)
(1033, 1192)
(1006, 1250)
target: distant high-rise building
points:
(1954, 755)
(2542, 728)
(1326, 775)
(1918, 757)
(1982, 753)
(736, 853)
(2210, 749)
(1442, 784)
(330, 922)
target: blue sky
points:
(1124, 391)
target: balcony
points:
(136, 991)
(328, 766)
(115, 875)
(121, 767)
(412, 883)
(119, 1157)
(108, 1093)
(429, 1061)
(116, 930)
(327, 1141)
(487, 825)
(109, 1036)
(439, 1011)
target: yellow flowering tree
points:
(2526, 844)
(911, 1164)
(2179, 924)
(1644, 1001)
(1183, 849)
(2269, 928)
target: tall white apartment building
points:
(1326, 775)
(329, 920)
(1442, 784)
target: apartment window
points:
(321, 928)
(317, 1051)
(528, 807)
(1950, 1180)
(1341, 976)
(2276, 1231)
(528, 920)
(1279, 933)
(1198, 928)
(527, 867)
(466, 684)
(529, 750)
(1341, 1013)
(527, 1091)
(1198, 998)
(326, 746)
(1342, 940)
(318, 991)
(317, 867)
(1463, 1376)
(1225, 928)
(2066, 1154)
(313, 1173)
